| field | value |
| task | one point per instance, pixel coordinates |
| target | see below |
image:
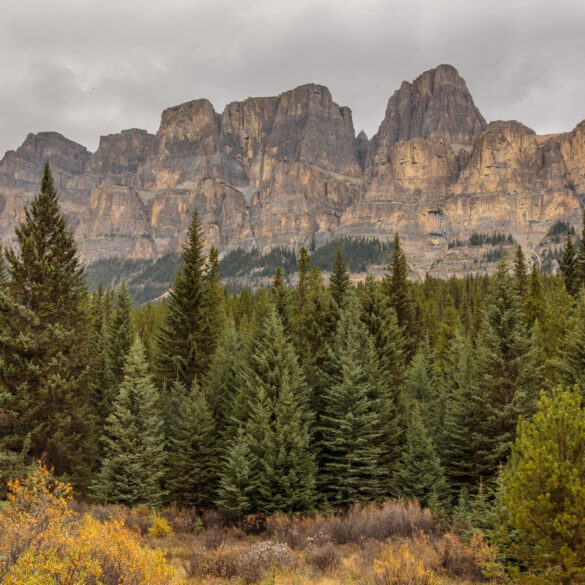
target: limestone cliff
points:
(289, 171)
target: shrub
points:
(324, 557)
(43, 541)
(213, 538)
(181, 520)
(159, 527)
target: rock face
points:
(289, 171)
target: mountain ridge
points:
(289, 170)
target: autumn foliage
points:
(43, 542)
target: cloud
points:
(96, 67)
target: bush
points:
(43, 541)
(324, 557)
(159, 527)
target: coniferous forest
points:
(306, 399)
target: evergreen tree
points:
(283, 299)
(446, 334)
(535, 303)
(121, 334)
(420, 475)
(571, 363)
(304, 268)
(568, 266)
(182, 345)
(215, 315)
(133, 465)
(237, 479)
(422, 386)
(543, 489)
(288, 470)
(521, 273)
(350, 426)
(580, 257)
(459, 441)
(192, 474)
(508, 373)
(398, 291)
(44, 329)
(339, 283)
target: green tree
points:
(544, 489)
(182, 345)
(508, 372)
(521, 273)
(420, 475)
(192, 458)
(339, 283)
(399, 294)
(568, 266)
(121, 333)
(580, 258)
(571, 362)
(44, 329)
(133, 465)
(283, 299)
(535, 303)
(304, 268)
(237, 479)
(350, 427)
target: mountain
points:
(290, 171)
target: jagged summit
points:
(289, 170)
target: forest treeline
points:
(284, 400)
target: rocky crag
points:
(290, 171)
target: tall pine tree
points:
(339, 283)
(568, 266)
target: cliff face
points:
(289, 171)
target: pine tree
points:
(304, 268)
(543, 489)
(521, 273)
(535, 303)
(350, 426)
(192, 457)
(568, 266)
(422, 385)
(283, 299)
(121, 333)
(182, 345)
(339, 283)
(398, 291)
(237, 482)
(508, 373)
(215, 315)
(571, 363)
(580, 257)
(287, 465)
(459, 441)
(44, 327)
(133, 465)
(420, 475)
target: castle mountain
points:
(290, 171)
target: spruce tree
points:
(568, 266)
(535, 303)
(508, 372)
(182, 344)
(44, 327)
(350, 427)
(133, 465)
(288, 470)
(192, 457)
(420, 475)
(580, 257)
(283, 299)
(237, 482)
(571, 363)
(398, 292)
(215, 314)
(304, 268)
(121, 333)
(339, 283)
(463, 410)
(521, 273)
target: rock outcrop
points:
(289, 171)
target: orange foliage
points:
(43, 543)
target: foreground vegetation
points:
(290, 400)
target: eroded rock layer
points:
(289, 171)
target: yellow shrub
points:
(42, 543)
(159, 527)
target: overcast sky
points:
(91, 67)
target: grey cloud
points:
(95, 67)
